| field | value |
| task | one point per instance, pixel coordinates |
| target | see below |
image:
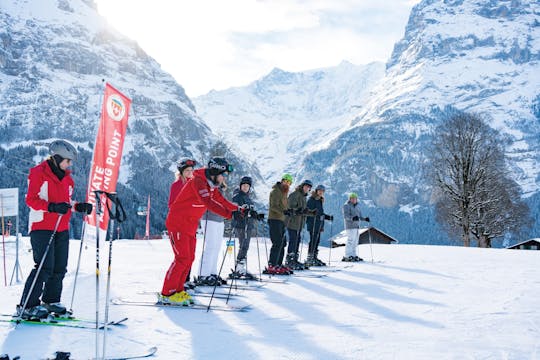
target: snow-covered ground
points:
(412, 302)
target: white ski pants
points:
(352, 242)
(213, 242)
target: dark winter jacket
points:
(315, 223)
(351, 210)
(278, 201)
(297, 202)
(242, 198)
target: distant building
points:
(531, 244)
(377, 237)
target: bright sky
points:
(215, 44)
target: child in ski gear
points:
(50, 187)
(352, 217)
(185, 172)
(278, 204)
(213, 227)
(295, 222)
(315, 225)
(243, 225)
(198, 195)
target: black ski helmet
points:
(185, 163)
(320, 187)
(63, 149)
(307, 182)
(246, 180)
(219, 165)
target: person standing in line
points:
(297, 204)
(352, 217)
(213, 226)
(278, 205)
(182, 221)
(183, 175)
(50, 187)
(243, 227)
(315, 225)
(185, 172)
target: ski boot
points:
(180, 298)
(56, 308)
(310, 261)
(37, 312)
(271, 270)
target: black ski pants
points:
(314, 240)
(244, 237)
(277, 236)
(295, 236)
(49, 280)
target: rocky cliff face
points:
(480, 56)
(54, 57)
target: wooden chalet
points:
(531, 244)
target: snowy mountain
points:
(473, 55)
(413, 302)
(356, 129)
(279, 119)
(54, 56)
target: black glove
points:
(260, 216)
(329, 217)
(83, 207)
(366, 219)
(299, 211)
(253, 213)
(240, 212)
(288, 212)
(355, 218)
(61, 208)
(311, 212)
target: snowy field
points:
(413, 302)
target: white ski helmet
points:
(64, 149)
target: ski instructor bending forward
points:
(199, 194)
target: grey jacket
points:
(210, 216)
(351, 210)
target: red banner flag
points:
(107, 156)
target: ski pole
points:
(98, 213)
(331, 234)
(258, 252)
(120, 216)
(78, 264)
(39, 268)
(203, 243)
(370, 243)
(219, 274)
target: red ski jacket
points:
(44, 187)
(175, 189)
(195, 197)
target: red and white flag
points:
(107, 156)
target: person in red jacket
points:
(185, 172)
(198, 195)
(50, 187)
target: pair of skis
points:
(147, 353)
(60, 321)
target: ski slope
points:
(412, 302)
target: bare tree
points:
(475, 194)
